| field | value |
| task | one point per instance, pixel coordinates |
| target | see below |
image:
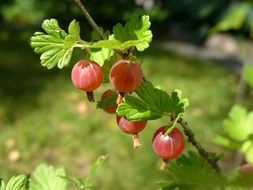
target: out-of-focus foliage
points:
(238, 132)
(181, 19)
(248, 74)
(238, 14)
(180, 174)
(22, 12)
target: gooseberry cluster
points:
(126, 77)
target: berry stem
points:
(90, 19)
(164, 164)
(171, 127)
(200, 149)
(120, 97)
(90, 96)
(136, 141)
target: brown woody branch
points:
(200, 149)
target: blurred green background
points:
(43, 118)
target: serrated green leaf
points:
(55, 46)
(248, 74)
(151, 104)
(135, 33)
(147, 106)
(180, 174)
(73, 37)
(108, 101)
(48, 178)
(179, 104)
(136, 30)
(238, 125)
(105, 57)
(16, 183)
(101, 56)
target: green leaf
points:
(95, 167)
(234, 17)
(86, 183)
(152, 103)
(48, 178)
(238, 125)
(105, 57)
(101, 56)
(55, 45)
(136, 30)
(180, 174)
(135, 33)
(178, 103)
(16, 183)
(248, 74)
(147, 107)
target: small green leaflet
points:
(86, 183)
(55, 45)
(48, 178)
(15, 183)
(135, 33)
(152, 103)
(94, 168)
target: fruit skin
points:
(130, 127)
(110, 108)
(126, 76)
(87, 75)
(170, 146)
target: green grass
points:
(46, 119)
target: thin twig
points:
(90, 19)
(98, 30)
(200, 149)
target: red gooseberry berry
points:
(131, 128)
(87, 75)
(108, 94)
(170, 146)
(126, 76)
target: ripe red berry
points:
(126, 76)
(87, 76)
(131, 128)
(107, 95)
(170, 146)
